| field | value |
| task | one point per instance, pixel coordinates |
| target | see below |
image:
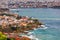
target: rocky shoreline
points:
(16, 24)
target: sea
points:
(49, 16)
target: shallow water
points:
(49, 16)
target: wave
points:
(30, 36)
(35, 28)
(30, 33)
(43, 27)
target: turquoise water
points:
(49, 16)
(51, 33)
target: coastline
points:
(52, 24)
(13, 24)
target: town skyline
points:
(28, 3)
(31, 0)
